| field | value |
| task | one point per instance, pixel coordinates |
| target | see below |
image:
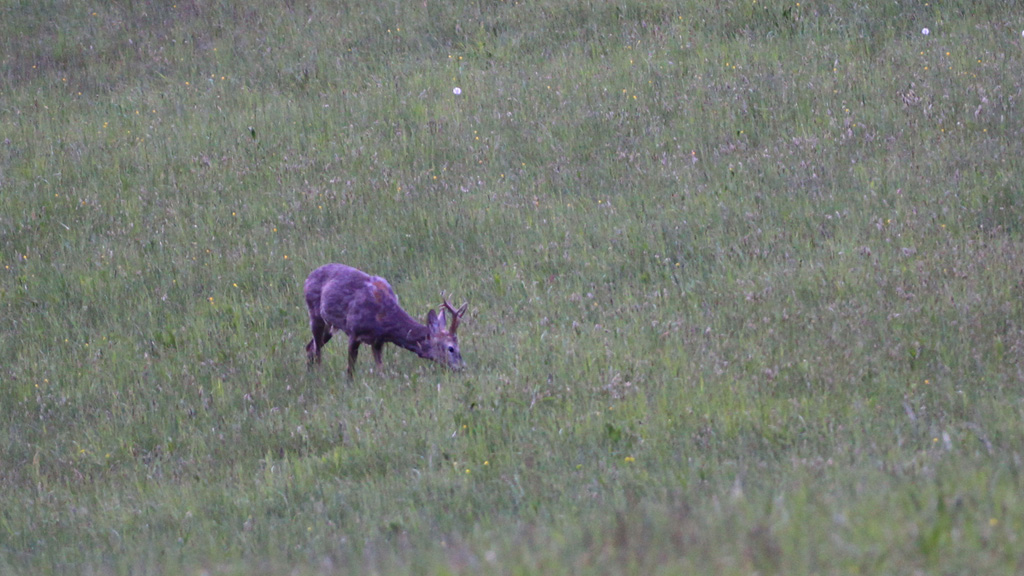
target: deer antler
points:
(456, 314)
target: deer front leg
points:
(353, 351)
(377, 350)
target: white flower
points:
(925, 31)
(457, 91)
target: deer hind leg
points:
(353, 352)
(321, 334)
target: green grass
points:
(744, 282)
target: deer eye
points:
(451, 349)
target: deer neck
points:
(411, 335)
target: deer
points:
(364, 307)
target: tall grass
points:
(744, 282)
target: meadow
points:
(745, 285)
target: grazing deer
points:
(342, 298)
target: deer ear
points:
(435, 321)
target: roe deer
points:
(342, 298)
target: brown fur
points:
(342, 298)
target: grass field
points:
(745, 283)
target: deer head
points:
(443, 342)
